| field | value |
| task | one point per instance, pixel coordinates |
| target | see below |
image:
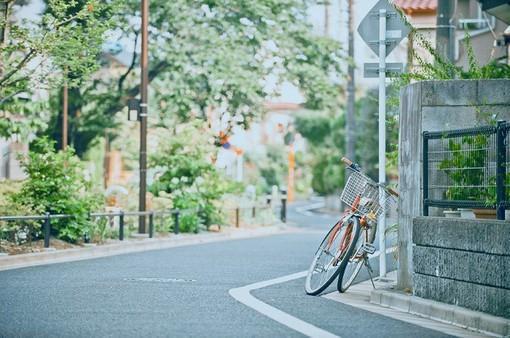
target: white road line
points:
(244, 296)
(305, 210)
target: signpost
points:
(382, 29)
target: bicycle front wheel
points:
(354, 261)
(328, 257)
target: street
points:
(184, 292)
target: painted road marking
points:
(243, 295)
(305, 210)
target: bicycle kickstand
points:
(370, 270)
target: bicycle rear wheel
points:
(328, 257)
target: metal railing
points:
(46, 218)
(467, 168)
(46, 228)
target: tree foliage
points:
(62, 45)
(326, 136)
(214, 57)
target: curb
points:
(136, 245)
(451, 314)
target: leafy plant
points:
(187, 174)
(442, 69)
(466, 168)
(56, 185)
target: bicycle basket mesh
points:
(362, 187)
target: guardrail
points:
(121, 214)
(467, 168)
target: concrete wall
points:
(463, 262)
(436, 106)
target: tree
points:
(34, 55)
(214, 56)
(326, 135)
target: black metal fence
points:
(467, 168)
(47, 218)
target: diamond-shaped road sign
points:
(396, 27)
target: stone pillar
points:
(409, 163)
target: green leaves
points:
(187, 173)
(442, 69)
(61, 46)
(56, 184)
(220, 54)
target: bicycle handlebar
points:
(393, 192)
(347, 161)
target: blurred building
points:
(485, 31)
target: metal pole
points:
(143, 112)
(121, 226)
(47, 230)
(176, 222)
(350, 118)
(445, 29)
(382, 139)
(425, 173)
(65, 111)
(283, 213)
(500, 170)
(151, 224)
(326, 18)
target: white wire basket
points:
(363, 191)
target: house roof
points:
(282, 106)
(411, 7)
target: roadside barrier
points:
(121, 214)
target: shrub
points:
(56, 184)
(187, 174)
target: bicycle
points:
(348, 244)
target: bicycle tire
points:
(355, 267)
(337, 231)
(352, 267)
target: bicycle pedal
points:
(368, 248)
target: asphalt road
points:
(182, 292)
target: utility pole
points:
(350, 121)
(326, 17)
(5, 13)
(65, 111)
(445, 31)
(144, 63)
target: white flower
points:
(175, 180)
(199, 180)
(184, 179)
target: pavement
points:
(389, 302)
(250, 286)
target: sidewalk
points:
(52, 256)
(450, 319)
